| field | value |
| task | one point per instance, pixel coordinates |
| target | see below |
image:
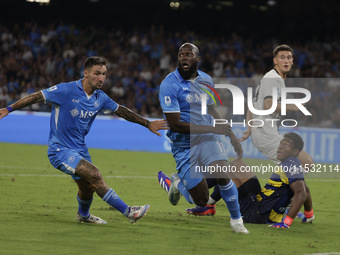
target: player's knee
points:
(223, 181)
(96, 180)
(303, 196)
(88, 189)
(201, 201)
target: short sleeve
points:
(267, 86)
(293, 171)
(168, 98)
(56, 94)
(109, 105)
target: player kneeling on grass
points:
(75, 106)
(267, 206)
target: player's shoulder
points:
(291, 161)
(292, 167)
(203, 75)
(61, 87)
(272, 74)
(101, 93)
(170, 81)
(68, 85)
(171, 77)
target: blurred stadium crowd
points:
(34, 57)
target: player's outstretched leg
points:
(85, 198)
(177, 185)
(90, 219)
(137, 212)
(91, 174)
(208, 210)
(174, 194)
(164, 181)
(133, 213)
(230, 196)
(237, 226)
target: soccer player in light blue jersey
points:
(193, 138)
(75, 106)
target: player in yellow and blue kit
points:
(194, 139)
(75, 106)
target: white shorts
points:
(266, 143)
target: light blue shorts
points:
(66, 160)
(205, 150)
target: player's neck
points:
(87, 88)
(283, 75)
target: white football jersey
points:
(264, 90)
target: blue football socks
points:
(230, 196)
(185, 192)
(114, 200)
(84, 207)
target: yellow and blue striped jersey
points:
(277, 194)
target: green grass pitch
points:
(38, 206)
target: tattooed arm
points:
(131, 116)
(36, 97)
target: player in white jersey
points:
(266, 137)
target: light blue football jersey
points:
(185, 96)
(73, 113)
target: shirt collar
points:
(80, 85)
(180, 78)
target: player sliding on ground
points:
(75, 106)
(285, 187)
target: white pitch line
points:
(22, 167)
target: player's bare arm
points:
(247, 133)
(212, 111)
(236, 144)
(308, 205)
(175, 123)
(36, 97)
(131, 116)
(234, 141)
(299, 198)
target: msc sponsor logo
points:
(82, 114)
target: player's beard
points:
(189, 73)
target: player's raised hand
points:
(246, 135)
(237, 145)
(156, 125)
(3, 113)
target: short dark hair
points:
(192, 46)
(93, 61)
(297, 140)
(282, 47)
